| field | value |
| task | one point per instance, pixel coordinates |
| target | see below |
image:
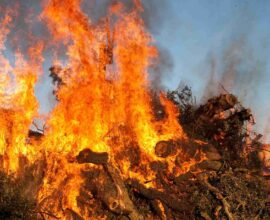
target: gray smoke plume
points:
(238, 71)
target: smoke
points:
(238, 70)
(266, 131)
(242, 72)
(28, 28)
(211, 88)
(235, 65)
(155, 16)
(235, 69)
(164, 64)
(232, 58)
(154, 11)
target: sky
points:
(202, 43)
(233, 36)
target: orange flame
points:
(104, 102)
(18, 104)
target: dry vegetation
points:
(227, 185)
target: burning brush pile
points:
(113, 149)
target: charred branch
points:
(89, 156)
(154, 194)
(204, 179)
(165, 148)
(122, 201)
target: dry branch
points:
(204, 179)
(89, 156)
(154, 194)
(113, 191)
(123, 201)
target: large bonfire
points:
(104, 131)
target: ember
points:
(104, 153)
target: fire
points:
(104, 101)
(18, 104)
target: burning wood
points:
(88, 156)
(165, 148)
(107, 152)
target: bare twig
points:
(226, 205)
(217, 211)
(223, 88)
(42, 213)
(153, 194)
